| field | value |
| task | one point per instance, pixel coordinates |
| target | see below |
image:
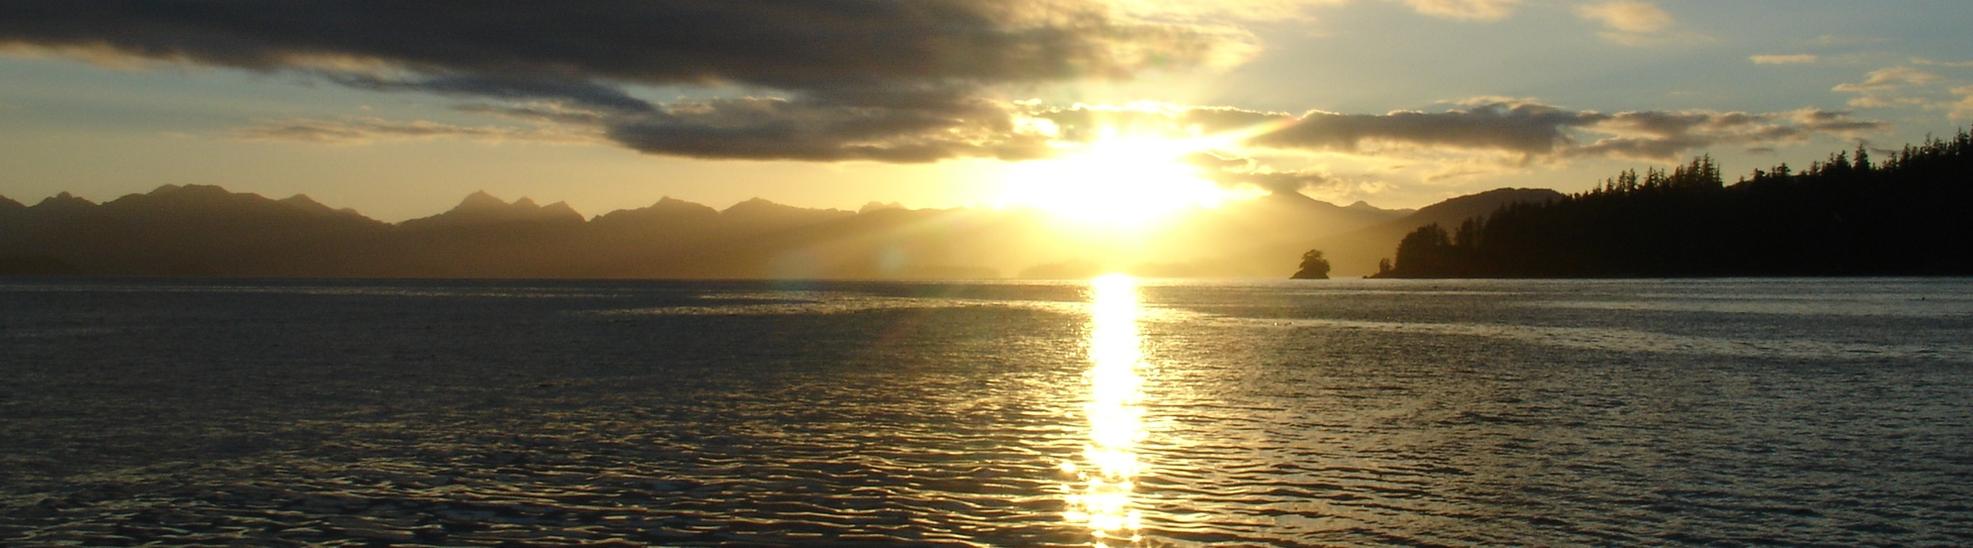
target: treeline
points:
(1845, 216)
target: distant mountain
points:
(1361, 205)
(207, 231)
(59, 204)
(1354, 251)
(189, 230)
(1245, 239)
(666, 213)
(761, 215)
(480, 209)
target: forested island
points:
(1845, 216)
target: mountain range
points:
(200, 230)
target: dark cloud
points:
(1232, 171)
(1282, 182)
(1526, 128)
(801, 129)
(1543, 131)
(1666, 135)
(788, 44)
(884, 79)
(538, 112)
(1659, 148)
(577, 92)
(1833, 121)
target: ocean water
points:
(1112, 411)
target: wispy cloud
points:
(1888, 87)
(1938, 63)
(1630, 22)
(1840, 40)
(1473, 10)
(1962, 109)
(1785, 59)
(1888, 78)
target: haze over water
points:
(1114, 411)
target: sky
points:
(399, 109)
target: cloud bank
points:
(1537, 131)
(832, 80)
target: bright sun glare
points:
(1116, 182)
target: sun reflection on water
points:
(1100, 499)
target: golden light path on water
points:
(1100, 496)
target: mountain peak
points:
(483, 208)
(757, 206)
(480, 200)
(305, 203)
(9, 203)
(1295, 199)
(64, 200)
(169, 190)
(664, 212)
(879, 206)
(755, 202)
(559, 209)
(668, 202)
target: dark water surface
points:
(1336, 412)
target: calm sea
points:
(1114, 411)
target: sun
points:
(1118, 182)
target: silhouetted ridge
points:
(560, 210)
(667, 210)
(1839, 217)
(1473, 205)
(201, 230)
(304, 202)
(760, 214)
(481, 208)
(184, 230)
(878, 206)
(63, 202)
(668, 203)
(480, 199)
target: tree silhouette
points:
(1840, 217)
(1314, 267)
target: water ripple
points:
(922, 414)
